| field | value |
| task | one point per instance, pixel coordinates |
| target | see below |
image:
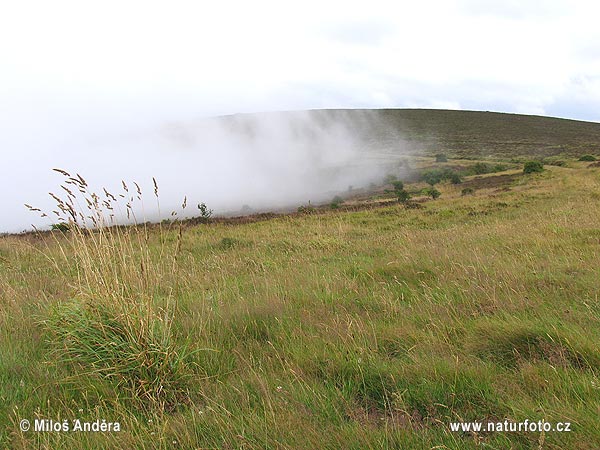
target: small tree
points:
(432, 192)
(400, 192)
(441, 157)
(533, 166)
(403, 196)
(205, 213)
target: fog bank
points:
(261, 161)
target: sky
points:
(92, 86)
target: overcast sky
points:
(78, 76)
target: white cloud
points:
(193, 57)
(75, 73)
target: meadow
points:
(374, 324)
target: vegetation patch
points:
(227, 243)
(533, 167)
(404, 274)
(358, 377)
(140, 358)
(444, 392)
(336, 202)
(362, 329)
(307, 209)
(512, 344)
(490, 182)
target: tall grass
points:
(118, 324)
(361, 329)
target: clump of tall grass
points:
(118, 323)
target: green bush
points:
(205, 213)
(306, 209)
(587, 158)
(435, 176)
(400, 192)
(441, 157)
(432, 192)
(483, 168)
(403, 196)
(64, 227)
(398, 186)
(455, 178)
(336, 202)
(533, 166)
(467, 191)
(432, 177)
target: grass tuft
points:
(116, 325)
(141, 361)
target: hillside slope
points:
(464, 134)
(374, 328)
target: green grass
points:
(468, 134)
(353, 329)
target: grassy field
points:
(464, 134)
(368, 326)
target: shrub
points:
(483, 168)
(306, 209)
(205, 213)
(398, 186)
(431, 177)
(432, 192)
(400, 192)
(62, 226)
(455, 178)
(467, 191)
(441, 157)
(336, 202)
(587, 158)
(435, 176)
(533, 166)
(403, 196)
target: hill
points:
(361, 323)
(467, 134)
